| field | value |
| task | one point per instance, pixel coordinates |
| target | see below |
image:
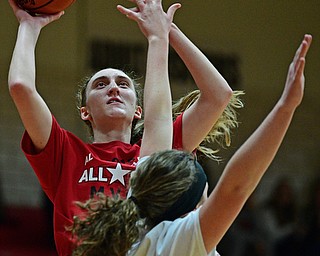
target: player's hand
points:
(294, 87)
(36, 20)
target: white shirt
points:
(181, 237)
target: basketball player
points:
(168, 185)
(70, 170)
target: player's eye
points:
(100, 85)
(123, 84)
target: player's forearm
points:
(157, 99)
(241, 176)
(205, 75)
(250, 162)
(22, 67)
(157, 87)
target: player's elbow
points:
(224, 97)
(227, 95)
(18, 89)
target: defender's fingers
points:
(300, 68)
(305, 45)
(303, 48)
(302, 51)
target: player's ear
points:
(138, 113)
(84, 113)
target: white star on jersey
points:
(117, 174)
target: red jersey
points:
(71, 170)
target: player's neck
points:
(116, 134)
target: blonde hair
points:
(221, 131)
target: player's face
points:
(111, 94)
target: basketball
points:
(44, 6)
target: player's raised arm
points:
(215, 93)
(245, 169)
(33, 111)
(155, 24)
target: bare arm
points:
(155, 25)
(215, 91)
(245, 169)
(33, 111)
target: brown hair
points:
(81, 96)
(112, 225)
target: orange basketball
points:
(44, 6)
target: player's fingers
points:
(300, 67)
(172, 9)
(129, 13)
(123, 9)
(140, 3)
(13, 5)
(57, 15)
(302, 51)
(303, 48)
(305, 45)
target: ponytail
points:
(221, 130)
(107, 228)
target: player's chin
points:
(118, 113)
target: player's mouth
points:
(114, 100)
